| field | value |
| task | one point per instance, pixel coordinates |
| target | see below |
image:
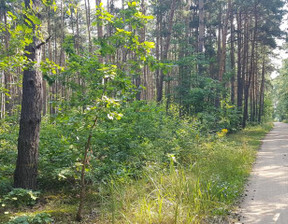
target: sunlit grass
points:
(202, 189)
(203, 192)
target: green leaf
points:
(68, 11)
(12, 15)
(149, 44)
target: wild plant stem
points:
(84, 164)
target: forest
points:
(135, 111)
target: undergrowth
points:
(146, 168)
(204, 191)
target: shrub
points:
(41, 218)
(20, 197)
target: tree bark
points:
(2, 114)
(232, 59)
(166, 49)
(27, 160)
(99, 25)
(201, 27)
(224, 43)
(87, 13)
(245, 70)
(261, 100)
(44, 83)
(250, 69)
(222, 50)
(239, 63)
(7, 76)
(144, 78)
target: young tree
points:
(108, 84)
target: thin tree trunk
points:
(44, 84)
(158, 36)
(166, 49)
(77, 44)
(261, 100)
(219, 50)
(62, 56)
(2, 115)
(224, 43)
(201, 27)
(239, 63)
(256, 84)
(87, 13)
(82, 181)
(54, 85)
(246, 72)
(99, 26)
(232, 59)
(7, 76)
(144, 78)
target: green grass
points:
(202, 187)
(205, 191)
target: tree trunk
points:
(7, 76)
(166, 49)
(99, 26)
(2, 73)
(224, 43)
(261, 100)
(87, 12)
(245, 71)
(239, 63)
(232, 59)
(144, 77)
(219, 49)
(44, 83)
(222, 50)
(250, 69)
(201, 27)
(2, 114)
(27, 160)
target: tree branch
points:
(44, 42)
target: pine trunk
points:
(201, 27)
(27, 160)
(239, 63)
(166, 49)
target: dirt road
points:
(266, 195)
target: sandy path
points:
(266, 195)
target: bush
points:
(145, 135)
(20, 197)
(41, 218)
(8, 152)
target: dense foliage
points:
(147, 159)
(281, 95)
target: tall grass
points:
(203, 192)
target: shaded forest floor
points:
(173, 174)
